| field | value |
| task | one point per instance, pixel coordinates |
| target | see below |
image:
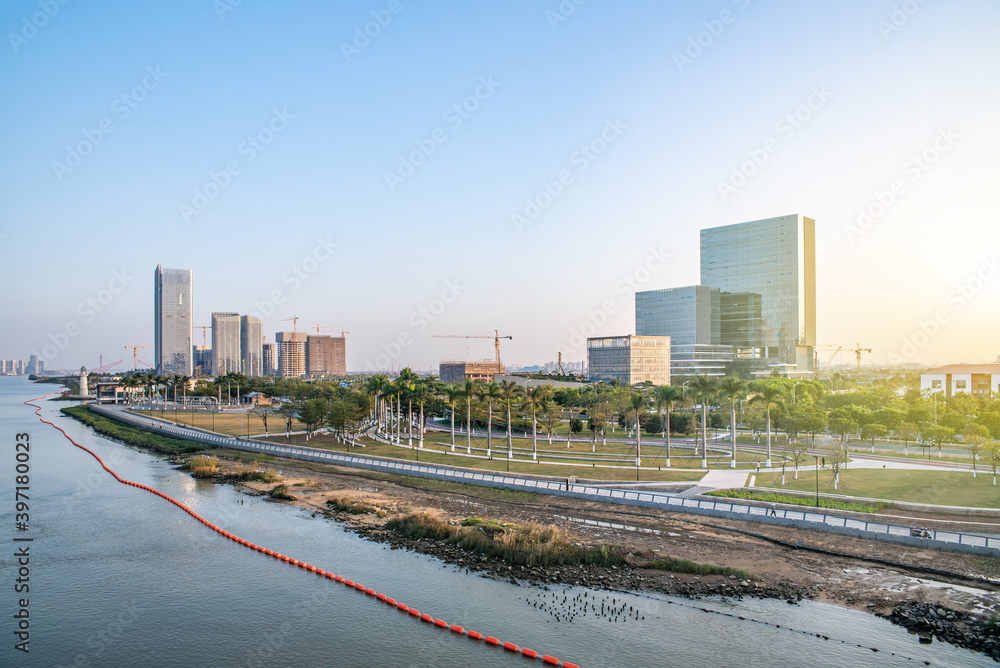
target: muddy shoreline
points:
(956, 610)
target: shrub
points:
(695, 568)
(281, 492)
(352, 506)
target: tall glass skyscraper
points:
(226, 356)
(766, 273)
(172, 321)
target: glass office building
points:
(631, 360)
(765, 271)
(691, 317)
(252, 345)
(226, 356)
(172, 321)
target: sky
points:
(402, 169)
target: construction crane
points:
(561, 372)
(319, 327)
(135, 356)
(496, 342)
(295, 322)
(204, 334)
(857, 351)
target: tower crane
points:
(204, 334)
(496, 342)
(135, 356)
(857, 351)
(295, 322)
(319, 327)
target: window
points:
(959, 384)
(935, 384)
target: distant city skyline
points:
(477, 167)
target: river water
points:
(120, 577)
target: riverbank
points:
(852, 572)
(884, 579)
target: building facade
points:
(251, 345)
(172, 299)
(629, 359)
(765, 271)
(458, 372)
(226, 357)
(202, 361)
(692, 317)
(291, 348)
(962, 378)
(269, 358)
(326, 356)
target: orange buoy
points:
(475, 635)
(510, 647)
(530, 653)
(310, 567)
(426, 618)
(455, 628)
(490, 640)
(441, 623)
(390, 601)
(331, 575)
(414, 612)
(338, 578)
(403, 607)
(380, 596)
(369, 591)
(359, 586)
(567, 664)
(320, 571)
(551, 660)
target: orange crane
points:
(319, 327)
(857, 351)
(135, 356)
(496, 342)
(204, 334)
(295, 322)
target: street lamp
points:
(817, 480)
(793, 391)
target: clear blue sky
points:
(331, 121)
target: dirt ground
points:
(955, 608)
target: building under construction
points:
(458, 372)
(326, 356)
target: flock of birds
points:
(565, 608)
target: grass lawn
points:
(435, 455)
(225, 423)
(944, 488)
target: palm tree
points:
(489, 393)
(508, 392)
(703, 389)
(733, 388)
(468, 391)
(668, 397)
(536, 399)
(451, 393)
(635, 412)
(770, 395)
(423, 388)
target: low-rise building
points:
(629, 359)
(458, 372)
(958, 378)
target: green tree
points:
(993, 457)
(312, 414)
(536, 400)
(734, 389)
(873, 430)
(937, 434)
(843, 427)
(668, 397)
(635, 411)
(976, 436)
(469, 391)
(452, 393)
(770, 397)
(907, 431)
(490, 393)
(703, 389)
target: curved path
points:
(329, 575)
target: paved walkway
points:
(719, 479)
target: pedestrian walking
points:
(773, 513)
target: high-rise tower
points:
(172, 321)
